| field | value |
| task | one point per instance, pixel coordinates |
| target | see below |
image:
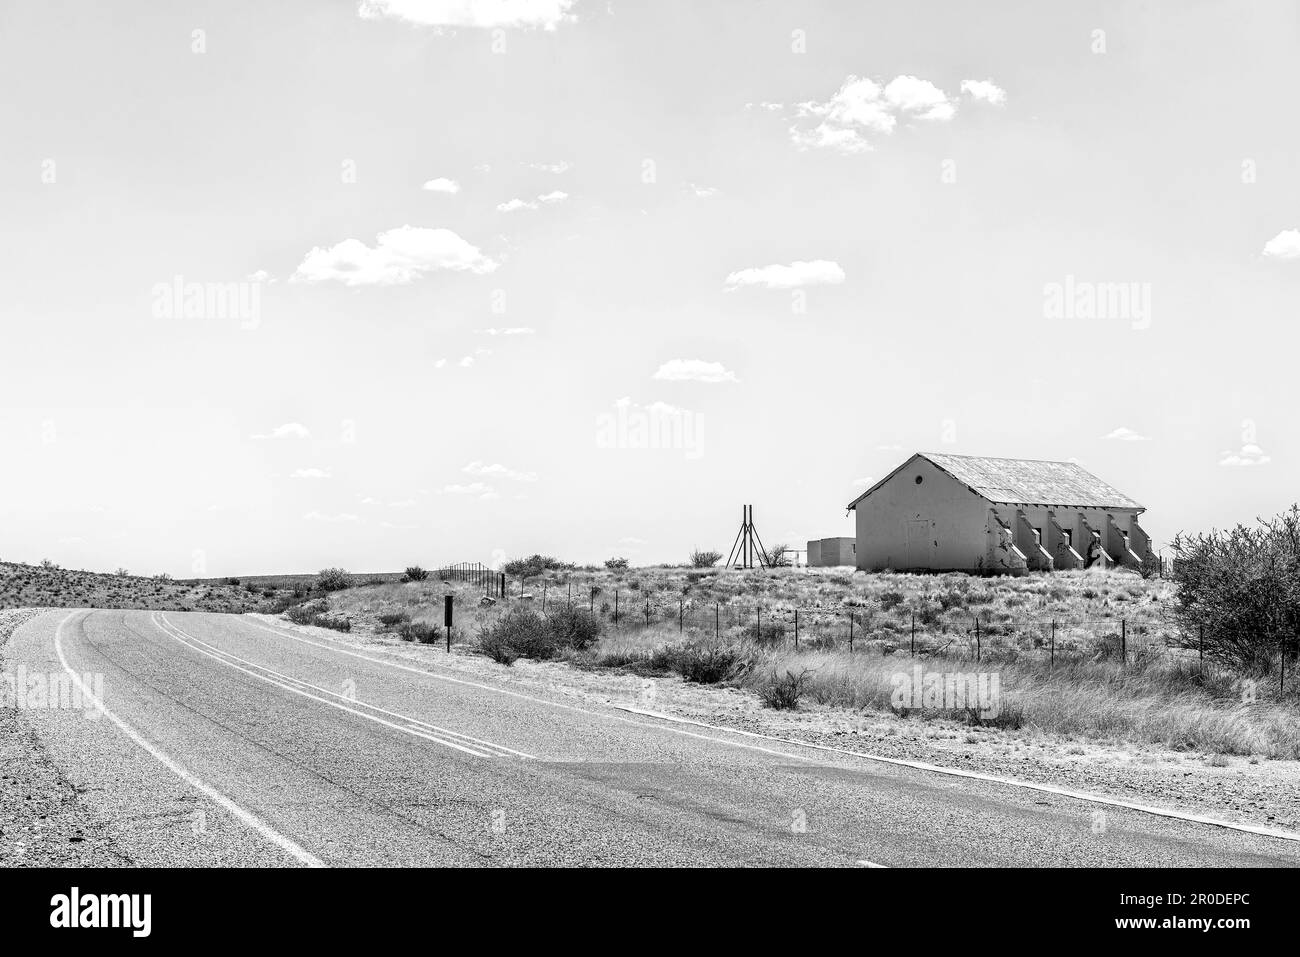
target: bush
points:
(783, 692)
(771, 632)
(616, 564)
(333, 579)
(534, 565)
(703, 559)
(574, 627)
(707, 664)
(778, 556)
(419, 631)
(523, 633)
(390, 618)
(890, 600)
(1243, 588)
(414, 573)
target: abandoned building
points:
(825, 552)
(971, 513)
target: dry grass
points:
(1159, 698)
(35, 586)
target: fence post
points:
(977, 638)
(1052, 661)
(758, 610)
(717, 620)
(615, 606)
(1123, 641)
(647, 614)
(681, 615)
(544, 584)
(569, 600)
(913, 634)
(593, 598)
(796, 628)
(850, 632)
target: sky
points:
(301, 284)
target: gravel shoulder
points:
(1261, 792)
(43, 820)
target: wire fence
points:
(973, 634)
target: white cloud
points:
(371, 500)
(466, 362)
(509, 331)
(314, 516)
(398, 256)
(477, 489)
(546, 199)
(442, 185)
(312, 473)
(776, 276)
(513, 205)
(260, 275)
(499, 471)
(402, 503)
(560, 167)
(1125, 434)
(694, 370)
(703, 192)
(1249, 455)
(985, 90)
(547, 14)
(290, 430)
(862, 108)
(920, 98)
(1285, 245)
(440, 363)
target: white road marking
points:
(900, 762)
(246, 817)
(990, 778)
(413, 726)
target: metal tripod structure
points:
(748, 546)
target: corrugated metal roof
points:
(1024, 481)
(1031, 482)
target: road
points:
(225, 741)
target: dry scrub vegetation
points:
(703, 625)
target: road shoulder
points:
(44, 822)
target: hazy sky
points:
(482, 250)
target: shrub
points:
(778, 556)
(534, 565)
(337, 622)
(522, 632)
(703, 559)
(333, 579)
(414, 573)
(1242, 587)
(390, 618)
(783, 692)
(616, 564)
(300, 615)
(707, 664)
(890, 600)
(573, 627)
(421, 631)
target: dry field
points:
(704, 626)
(37, 586)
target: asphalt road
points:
(224, 742)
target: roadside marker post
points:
(446, 620)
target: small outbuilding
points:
(946, 512)
(828, 552)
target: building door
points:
(918, 544)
